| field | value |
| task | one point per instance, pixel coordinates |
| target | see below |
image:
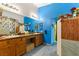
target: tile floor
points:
(43, 50)
(70, 47)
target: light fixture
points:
(33, 15)
(10, 6)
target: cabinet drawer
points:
(41, 41)
(12, 41)
(39, 37)
(18, 40)
(20, 50)
(4, 43)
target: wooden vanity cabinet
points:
(12, 47)
(38, 40)
(4, 48)
(20, 46)
(4, 51)
(70, 29)
(17, 46)
(8, 47)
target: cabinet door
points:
(78, 31)
(75, 29)
(20, 46)
(62, 29)
(39, 39)
(64, 32)
(67, 27)
(12, 50)
(4, 51)
(37, 42)
(70, 30)
(4, 43)
(20, 49)
(12, 45)
(4, 48)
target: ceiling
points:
(41, 4)
(28, 8)
(25, 9)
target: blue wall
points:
(50, 15)
(55, 9)
(33, 23)
(29, 20)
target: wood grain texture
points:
(17, 45)
(70, 29)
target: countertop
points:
(18, 36)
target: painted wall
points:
(50, 14)
(33, 23)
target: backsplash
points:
(7, 25)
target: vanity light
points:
(35, 16)
(10, 6)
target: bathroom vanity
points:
(16, 45)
